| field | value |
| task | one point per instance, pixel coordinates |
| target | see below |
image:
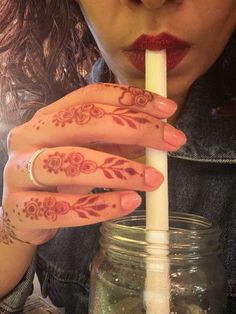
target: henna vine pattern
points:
(50, 208)
(74, 163)
(82, 114)
(7, 233)
(133, 96)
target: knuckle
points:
(15, 139)
(96, 87)
(40, 112)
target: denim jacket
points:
(202, 180)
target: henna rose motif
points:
(72, 171)
(75, 158)
(133, 96)
(82, 117)
(88, 166)
(54, 162)
(62, 208)
(50, 214)
(63, 117)
(49, 202)
(32, 209)
(97, 112)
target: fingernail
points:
(174, 137)
(152, 177)
(166, 106)
(130, 201)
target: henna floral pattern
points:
(7, 230)
(7, 233)
(32, 209)
(50, 209)
(82, 114)
(133, 96)
(74, 164)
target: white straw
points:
(157, 285)
(157, 201)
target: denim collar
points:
(210, 138)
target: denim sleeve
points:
(15, 300)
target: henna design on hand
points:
(82, 114)
(133, 96)
(50, 208)
(7, 232)
(74, 163)
(38, 124)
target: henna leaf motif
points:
(118, 120)
(130, 123)
(132, 111)
(107, 174)
(141, 120)
(109, 160)
(93, 213)
(82, 215)
(131, 171)
(121, 110)
(82, 200)
(92, 200)
(120, 162)
(119, 174)
(99, 207)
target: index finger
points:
(115, 95)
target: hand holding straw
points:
(157, 293)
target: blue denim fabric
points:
(202, 180)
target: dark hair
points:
(47, 51)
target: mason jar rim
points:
(205, 226)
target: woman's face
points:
(194, 32)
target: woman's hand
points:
(85, 139)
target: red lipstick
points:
(176, 49)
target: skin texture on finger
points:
(43, 210)
(86, 123)
(84, 167)
(115, 95)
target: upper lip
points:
(157, 42)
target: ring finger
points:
(82, 166)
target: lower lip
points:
(174, 57)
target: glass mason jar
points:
(195, 274)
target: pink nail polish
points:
(152, 177)
(174, 137)
(166, 106)
(130, 201)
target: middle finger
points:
(84, 124)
